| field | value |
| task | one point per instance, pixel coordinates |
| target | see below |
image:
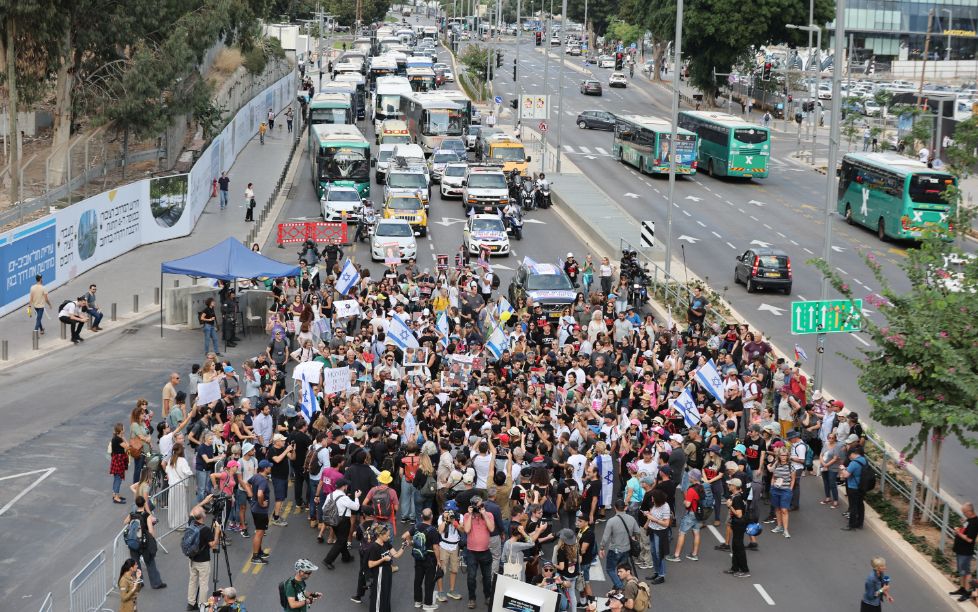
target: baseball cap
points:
(278, 437)
(264, 464)
(793, 434)
(676, 438)
(468, 478)
(735, 482)
(665, 470)
(504, 438)
(852, 439)
(714, 448)
(731, 465)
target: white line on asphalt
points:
(753, 218)
(655, 189)
(802, 298)
(569, 148)
(676, 205)
(742, 211)
(700, 223)
(857, 281)
(867, 288)
(708, 189)
(858, 337)
(28, 488)
(600, 150)
(730, 245)
(794, 243)
(686, 212)
(569, 113)
(782, 235)
(716, 534)
(767, 598)
(717, 235)
(584, 149)
(841, 271)
(768, 226)
(807, 250)
(729, 202)
(431, 246)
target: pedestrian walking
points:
(262, 128)
(94, 314)
(141, 540)
(289, 117)
(223, 184)
(867, 135)
(343, 516)
(767, 119)
(615, 544)
(380, 557)
(876, 588)
(250, 203)
(260, 494)
(423, 539)
(208, 323)
(138, 445)
(130, 583)
(964, 550)
(72, 314)
(271, 119)
(37, 300)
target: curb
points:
(265, 229)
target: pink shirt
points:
(478, 539)
(329, 477)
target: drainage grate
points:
(130, 330)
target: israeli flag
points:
(497, 343)
(708, 378)
(309, 405)
(349, 277)
(504, 306)
(400, 334)
(441, 325)
(529, 263)
(687, 406)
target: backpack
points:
(283, 599)
(867, 478)
(134, 537)
(190, 543)
(428, 487)
(572, 502)
(312, 464)
(331, 513)
(643, 599)
(419, 544)
(410, 467)
(700, 510)
(382, 502)
(494, 283)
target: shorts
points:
(586, 570)
(281, 488)
(689, 522)
(449, 561)
(261, 520)
(780, 498)
(964, 564)
(240, 498)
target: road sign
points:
(498, 99)
(543, 126)
(533, 106)
(648, 234)
(825, 317)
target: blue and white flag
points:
(400, 334)
(686, 405)
(497, 343)
(529, 263)
(441, 326)
(708, 378)
(504, 306)
(309, 405)
(349, 277)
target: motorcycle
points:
(514, 223)
(368, 219)
(639, 278)
(527, 198)
(543, 196)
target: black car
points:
(546, 284)
(764, 268)
(457, 144)
(590, 87)
(596, 120)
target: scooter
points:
(543, 196)
(528, 201)
(514, 224)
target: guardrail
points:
(47, 605)
(88, 589)
(266, 208)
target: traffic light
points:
(766, 73)
(538, 37)
(790, 98)
(499, 60)
(619, 60)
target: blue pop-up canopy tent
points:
(227, 260)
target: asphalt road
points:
(716, 219)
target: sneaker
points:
(417, 604)
(259, 560)
(770, 520)
(658, 580)
(356, 599)
(729, 571)
(279, 522)
(245, 534)
(431, 607)
(264, 555)
(471, 604)
(751, 546)
(454, 595)
(692, 557)
(778, 529)
(722, 547)
(674, 559)
(441, 598)
(742, 575)
(964, 597)
(787, 535)
(960, 591)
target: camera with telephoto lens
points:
(451, 516)
(884, 580)
(216, 505)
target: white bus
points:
(387, 95)
(430, 118)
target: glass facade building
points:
(897, 29)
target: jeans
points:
(116, 483)
(659, 543)
(210, 338)
(155, 580)
(611, 561)
(203, 484)
(605, 284)
(96, 316)
(857, 508)
(424, 580)
(39, 319)
(315, 510)
(483, 560)
(830, 485)
(137, 468)
(406, 500)
(223, 194)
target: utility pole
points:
(830, 176)
(12, 127)
(560, 83)
(923, 65)
(546, 84)
(675, 132)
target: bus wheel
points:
(641, 165)
(709, 168)
(881, 230)
(849, 214)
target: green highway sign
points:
(823, 317)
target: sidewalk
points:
(138, 273)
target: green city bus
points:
(729, 146)
(897, 196)
(330, 108)
(644, 142)
(340, 155)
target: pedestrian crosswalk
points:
(582, 150)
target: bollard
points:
(156, 295)
(113, 312)
(36, 340)
(4, 351)
(135, 302)
(64, 331)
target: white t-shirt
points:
(578, 462)
(482, 465)
(323, 455)
(798, 451)
(450, 540)
(70, 309)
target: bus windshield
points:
(388, 104)
(513, 154)
(329, 115)
(929, 188)
(345, 163)
(443, 123)
(750, 136)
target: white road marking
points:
(717, 235)
(44, 474)
(767, 598)
(716, 534)
(708, 189)
(807, 250)
(766, 226)
(753, 218)
(857, 281)
(802, 298)
(600, 150)
(858, 337)
(841, 271)
(584, 149)
(794, 243)
(742, 211)
(568, 148)
(730, 245)
(686, 212)
(729, 202)
(782, 235)
(700, 223)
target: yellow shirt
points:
(440, 303)
(38, 296)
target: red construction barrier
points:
(330, 233)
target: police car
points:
(485, 232)
(546, 284)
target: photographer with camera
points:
(877, 587)
(292, 593)
(197, 543)
(448, 556)
(225, 600)
(478, 523)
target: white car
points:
(617, 79)
(825, 92)
(452, 178)
(438, 160)
(606, 61)
(383, 161)
(872, 108)
(555, 41)
(446, 71)
(393, 231)
(486, 231)
(341, 204)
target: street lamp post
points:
(560, 83)
(675, 133)
(947, 28)
(812, 28)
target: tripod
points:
(220, 520)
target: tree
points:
(599, 13)
(625, 32)
(659, 18)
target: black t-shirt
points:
(738, 503)
(223, 182)
(302, 443)
(432, 538)
(375, 551)
(206, 536)
(280, 469)
(971, 530)
(592, 490)
(669, 488)
(209, 314)
(754, 450)
(587, 537)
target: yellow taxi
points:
(409, 206)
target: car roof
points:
(592, 81)
(485, 216)
(443, 150)
(394, 221)
(543, 269)
(768, 251)
(621, 74)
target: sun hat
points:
(385, 477)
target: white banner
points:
(346, 308)
(310, 369)
(208, 392)
(336, 380)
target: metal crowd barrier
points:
(89, 588)
(172, 507)
(48, 605)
